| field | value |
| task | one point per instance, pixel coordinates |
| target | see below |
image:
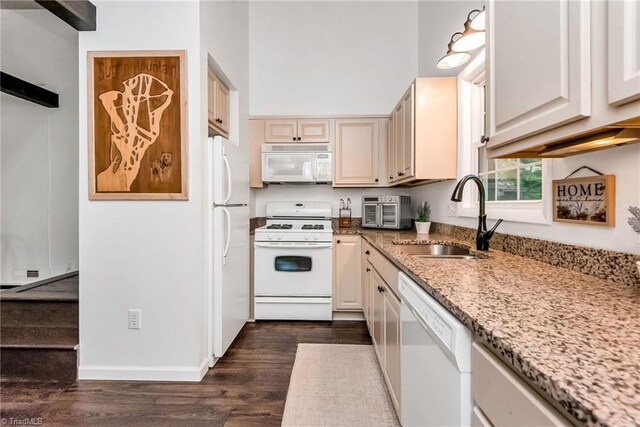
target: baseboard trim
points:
(348, 315)
(144, 373)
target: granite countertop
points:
(574, 337)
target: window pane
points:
(506, 163)
(507, 185)
(485, 164)
(527, 161)
(531, 183)
(489, 182)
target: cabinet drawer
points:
(387, 270)
(504, 398)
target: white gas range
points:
(293, 262)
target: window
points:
(515, 188)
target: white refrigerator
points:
(229, 279)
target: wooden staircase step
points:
(30, 313)
(43, 338)
(39, 364)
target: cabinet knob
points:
(390, 177)
(299, 139)
(400, 174)
(484, 139)
(366, 252)
(368, 269)
(337, 241)
(294, 138)
(376, 179)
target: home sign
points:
(588, 200)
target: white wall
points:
(152, 255)
(143, 254)
(438, 21)
(622, 162)
(39, 166)
(331, 57)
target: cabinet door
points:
(399, 140)
(222, 106)
(392, 345)
(356, 152)
(624, 51)
(408, 138)
(377, 312)
(540, 82)
(347, 293)
(313, 131)
(211, 98)
(364, 277)
(280, 131)
(391, 148)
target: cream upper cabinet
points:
(303, 130)
(538, 68)
(357, 153)
(313, 131)
(280, 131)
(347, 284)
(218, 105)
(391, 148)
(425, 132)
(408, 151)
(623, 34)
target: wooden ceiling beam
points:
(22, 89)
(80, 14)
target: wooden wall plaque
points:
(589, 200)
(137, 113)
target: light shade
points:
(470, 40)
(453, 59)
(478, 21)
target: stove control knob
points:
(307, 237)
(279, 237)
(269, 236)
(316, 237)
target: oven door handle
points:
(292, 245)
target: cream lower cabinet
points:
(360, 153)
(365, 277)
(501, 398)
(347, 283)
(383, 319)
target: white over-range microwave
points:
(297, 163)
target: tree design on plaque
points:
(135, 115)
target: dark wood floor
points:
(247, 387)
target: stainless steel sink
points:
(437, 251)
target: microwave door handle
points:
(314, 167)
(379, 221)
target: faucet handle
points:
(490, 232)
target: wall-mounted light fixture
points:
(462, 43)
(453, 59)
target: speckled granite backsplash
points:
(618, 267)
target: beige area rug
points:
(337, 385)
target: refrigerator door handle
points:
(228, 236)
(228, 170)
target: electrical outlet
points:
(135, 319)
(453, 209)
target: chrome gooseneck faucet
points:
(482, 236)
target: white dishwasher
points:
(435, 362)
